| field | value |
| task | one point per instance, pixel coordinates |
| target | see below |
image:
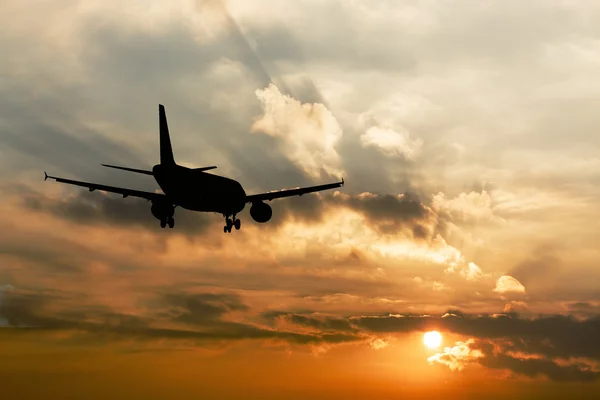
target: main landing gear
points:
(167, 221)
(230, 223)
(163, 211)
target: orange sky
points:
(466, 134)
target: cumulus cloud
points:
(466, 207)
(308, 132)
(457, 356)
(515, 306)
(391, 143)
(470, 271)
(508, 284)
(498, 356)
(379, 344)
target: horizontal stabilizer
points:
(205, 168)
(139, 171)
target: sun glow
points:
(432, 339)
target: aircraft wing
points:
(95, 186)
(292, 192)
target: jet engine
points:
(261, 212)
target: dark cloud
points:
(386, 206)
(197, 309)
(199, 315)
(525, 346)
(541, 341)
(584, 309)
(497, 337)
(542, 264)
(388, 213)
(393, 214)
(321, 322)
(552, 335)
(308, 208)
(98, 208)
(578, 372)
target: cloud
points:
(474, 207)
(552, 335)
(515, 306)
(391, 143)
(546, 345)
(392, 214)
(508, 284)
(198, 317)
(457, 356)
(470, 271)
(86, 207)
(308, 132)
(532, 367)
(4, 288)
(494, 356)
(379, 344)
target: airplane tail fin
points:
(166, 151)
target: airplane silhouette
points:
(194, 189)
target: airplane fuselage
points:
(200, 191)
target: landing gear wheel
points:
(163, 223)
(237, 224)
(171, 222)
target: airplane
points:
(194, 189)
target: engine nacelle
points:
(162, 210)
(261, 212)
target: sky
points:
(466, 133)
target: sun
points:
(432, 339)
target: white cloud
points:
(308, 132)
(472, 206)
(516, 306)
(508, 284)
(457, 356)
(378, 344)
(470, 271)
(391, 143)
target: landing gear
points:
(167, 221)
(230, 223)
(164, 211)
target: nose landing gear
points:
(230, 223)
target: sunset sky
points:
(468, 135)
